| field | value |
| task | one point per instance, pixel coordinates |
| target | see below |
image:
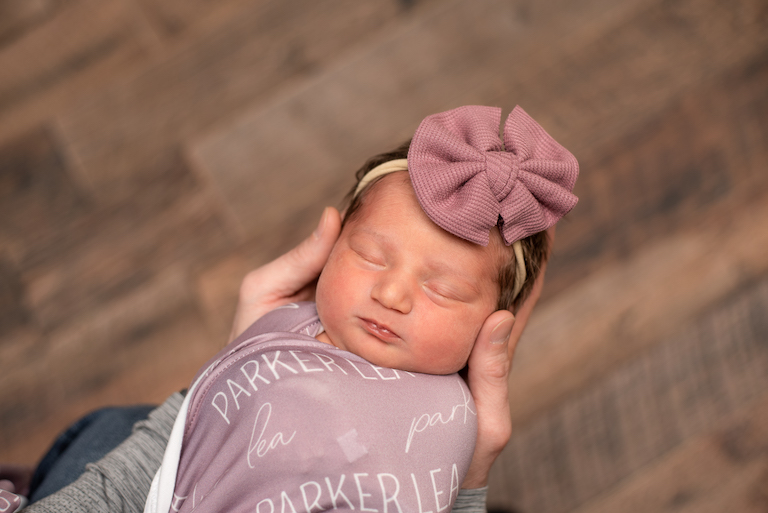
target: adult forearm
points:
(471, 500)
(120, 481)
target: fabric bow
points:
(468, 181)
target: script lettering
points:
(5, 504)
(421, 423)
(177, 501)
(261, 447)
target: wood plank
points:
(13, 313)
(126, 133)
(217, 288)
(66, 57)
(670, 151)
(707, 149)
(703, 474)
(38, 196)
(745, 492)
(187, 19)
(621, 76)
(19, 16)
(679, 390)
(136, 350)
(116, 250)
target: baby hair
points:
(535, 247)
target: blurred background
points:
(154, 151)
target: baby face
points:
(400, 291)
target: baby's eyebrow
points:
(368, 235)
(365, 230)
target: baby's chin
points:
(433, 368)
(440, 371)
(415, 367)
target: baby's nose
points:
(393, 291)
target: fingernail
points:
(321, 226)
(501, 332)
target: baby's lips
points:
(380, 330)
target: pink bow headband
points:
(468, 180)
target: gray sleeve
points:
(120, 481)
(471, 501)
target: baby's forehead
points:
(380, 198)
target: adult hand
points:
(15, 479)
(488, 379)
(289, 278)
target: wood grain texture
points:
(153, 152)
(67, 57)
(723, 469)
(676, 392)
(705, 153)
(186, 93)
(20, 16)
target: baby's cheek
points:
(453, 346)
(323, 301)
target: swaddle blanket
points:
(280, 422)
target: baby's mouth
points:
(380, 331)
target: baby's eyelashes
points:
(442, 293)
(370, 258)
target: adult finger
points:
(487, 377)
(292, 271)
(289, 277)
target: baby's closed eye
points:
(443, 292)
(369, 256)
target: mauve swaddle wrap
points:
(282, 422)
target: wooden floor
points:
(153, 151)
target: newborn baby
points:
(354, 403)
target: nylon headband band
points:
(520, 273)
(382, 169)
(392, 166)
